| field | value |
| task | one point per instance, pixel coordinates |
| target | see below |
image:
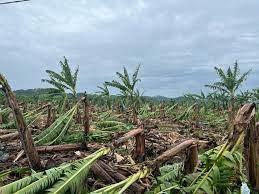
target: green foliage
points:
(59, 180)
(109, 125)
(15, 171)
(107, 116)
(145, 112)
(30, 118)
(93, 136)
(244, 97)
(109, 122)
(34, 92)
(127, 85)
(19, 184)
(105, 127)
(105, 94)
(73, 137)
(55, 132)
(66, 80)
(4, 174)
(2, 97)
(186, 113)
(220, 172)
(5, 114)
(170, 178)
(100, 136)
(127, 88)
(214, 119)
(170, 111)
(230, 80)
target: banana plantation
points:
(58, 140)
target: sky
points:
(178, 43)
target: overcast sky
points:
(178, 42)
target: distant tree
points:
(229, 83)
(105, 93)
(128, 90)
(196, 98)
(218, 100)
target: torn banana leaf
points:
(67, 178)
(54, 133)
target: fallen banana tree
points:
(58, 180)
(24, 133)
(49, 180)
(122, 186)
(219, 172)
(218, 169)
(30, 117)
(54, 133)
(221, 168)
(103, 171)
(186, 113)
(224, 161)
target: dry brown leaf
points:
(118, 157)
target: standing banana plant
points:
(218, 100)
(105, 93)
(128, 90)
(229, 83)
(64, 81)
(201, 99)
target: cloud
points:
(178, 42)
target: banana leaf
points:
(62, 179)
(55, 132)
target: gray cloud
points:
(178, 42)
